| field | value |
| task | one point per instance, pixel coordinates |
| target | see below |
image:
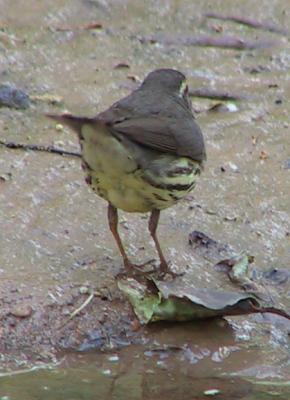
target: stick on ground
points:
(35, 147)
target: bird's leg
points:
(152, 226)
(113, 224)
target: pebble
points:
(211, 392)
(107, 372)
(59, 127)
(84, 290)
(21, 311)
(113, 358)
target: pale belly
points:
(114, 174)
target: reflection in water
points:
(188, 361)
(138, 379)
(131, 378)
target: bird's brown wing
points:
(181, 137)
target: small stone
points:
(84, 290)
(233, 167)
(21, 311)
(66, 312)
(224, 107)
(59, 127)
(161, 364)
(113, 358)
(107, 372)
(232, 107)
(211, 392)
(135, 325)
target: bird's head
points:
(167, 79)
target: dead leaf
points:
(172, 301)
(155, 300)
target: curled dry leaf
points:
(155, 300)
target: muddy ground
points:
(55, 246)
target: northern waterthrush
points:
(144, 153)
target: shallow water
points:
(135, 374)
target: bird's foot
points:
(165, 270)
(131, 270)
(161, 272)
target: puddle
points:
(187, 361)
(135, 374)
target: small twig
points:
(271, 310)
(220, 41)
(89, 26)
(214, 94)
(32, 369)
(78, 310)
(268, 26)
(35, 147)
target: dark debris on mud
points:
(48, 329)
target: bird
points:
(143, 154)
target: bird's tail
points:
(74, 122)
